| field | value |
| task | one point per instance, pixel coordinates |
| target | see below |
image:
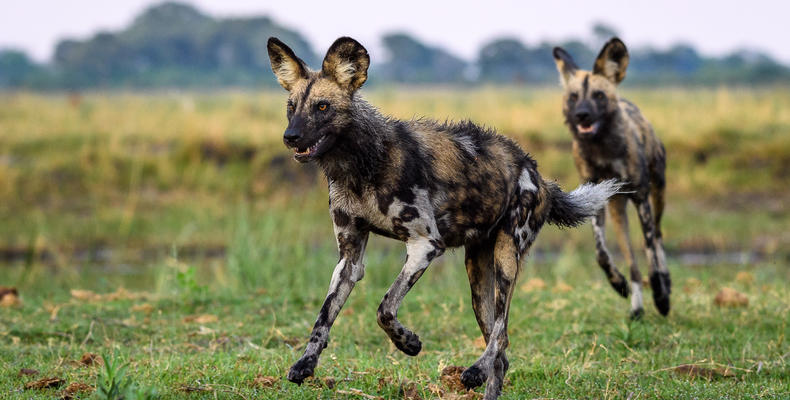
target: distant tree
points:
(174, 44)
(16, 68)
(504, 60)
(410, 61)
(582, 54)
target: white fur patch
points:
(636, 296)
(592, 197)
(662, 258)
(610, 69)
(288, 74)
(466, 143)
(344, 72)
(525, 181)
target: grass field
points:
(200, 254)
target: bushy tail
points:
(572, 209)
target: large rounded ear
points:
(287, 67)
(612, 61)
(565, 65)
(346, 62)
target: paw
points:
(636, 315)
(410, 345)
(661, 284)
(620, 285)
(473, 377)
(302, 369)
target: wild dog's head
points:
(590, 101)
(319, 105)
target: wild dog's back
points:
(649, 143)
(474, 175)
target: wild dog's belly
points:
(469, 214)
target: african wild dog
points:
(612, 140)
(432, 185)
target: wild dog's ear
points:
(287, 67)
(565, 64)
(346, 62)
(612, 61)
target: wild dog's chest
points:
(596, 163)
(383, 212)
(363, 205)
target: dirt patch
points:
(729, 297)
(45, 383)
(703, 372)
(9, 297)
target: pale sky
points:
(714, 27)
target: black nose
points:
(291, 136)
(582, 115)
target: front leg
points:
(351, 246)
(420, 252)
(654, 250)
(616, 279)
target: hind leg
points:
(617, 211)
(660, 281)
(492, 364)
(657, 200)
(616, 279)
(480, 269)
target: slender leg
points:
(616, 279)
(419, 254)
(657, 199)
(480, 269)
(481, 272)
(617, 211)
(492, 364)
(659, 275)
(349, 270)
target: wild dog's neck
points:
(360, 150)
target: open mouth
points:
(304, 154)
(587, 129)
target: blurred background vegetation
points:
(173, 229)
(177, 45)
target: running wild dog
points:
(612, 140)
(431, 185)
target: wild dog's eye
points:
(573, 97)
(322, 106)
(291, 107)
(598, 95)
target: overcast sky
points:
(714, 27)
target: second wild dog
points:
(613, 140)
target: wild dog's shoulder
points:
(631, 112)
(644, 129)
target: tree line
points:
(176, 45)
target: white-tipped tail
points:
(571, 209)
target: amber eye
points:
(291, 107)
(322, 106)
(573, 97)
(598, 95)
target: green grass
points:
(191, 203)
(576, 344)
